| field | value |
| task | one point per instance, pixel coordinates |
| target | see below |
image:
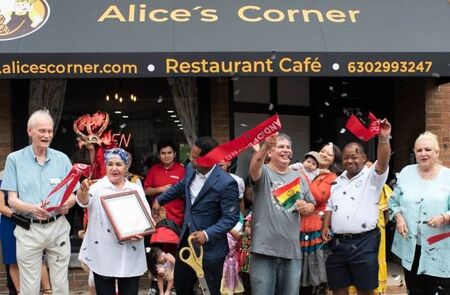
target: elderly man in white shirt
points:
(352, 212)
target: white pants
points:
(52, 237)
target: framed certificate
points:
(128, 215)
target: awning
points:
(105, 38)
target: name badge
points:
(174, 176)
(55, 180)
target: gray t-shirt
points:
(275, 229)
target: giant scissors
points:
(196, 263)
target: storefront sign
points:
(192, 38)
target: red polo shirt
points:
(158, 176)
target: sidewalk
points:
(396, 284)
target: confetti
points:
(363, 225)
(273, 56)
(326, 103)
(354, 246)
(62, 244)
(270, 106)
(331, 88)
(236, 92)
(343, 130)
(306, 237)
(344, 94)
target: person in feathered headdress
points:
(91, 134)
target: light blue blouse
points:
(418, 200)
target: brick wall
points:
(220, 118)
(409, 117)
(6, 121)
(437, 106)
(2, 275)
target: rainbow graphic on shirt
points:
(288, 194)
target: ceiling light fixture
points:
(121, 91)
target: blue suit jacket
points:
(215, 210)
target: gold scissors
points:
(196, 263)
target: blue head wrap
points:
(117, 153)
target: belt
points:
(354, 236)
(51, 219)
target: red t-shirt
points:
(159, 176)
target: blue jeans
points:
(266, 272)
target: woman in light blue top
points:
(421, 207)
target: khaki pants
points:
(52, 237)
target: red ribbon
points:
(74, 175)
(232, 149)
(436, 238)
(355, 126)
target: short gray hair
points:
(284, 136)
(36, 115)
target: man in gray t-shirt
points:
(279, 196)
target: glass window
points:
(136, 126)
(293, 91)
(255, 90)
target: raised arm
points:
(259, 157)
(384, 147)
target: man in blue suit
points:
(212, 210)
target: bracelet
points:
(384, 140)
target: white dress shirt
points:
(197, 183)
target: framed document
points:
(128, 215)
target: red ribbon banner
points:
(232, 149)
(436, 238)
(355, 126)
(73, 177)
